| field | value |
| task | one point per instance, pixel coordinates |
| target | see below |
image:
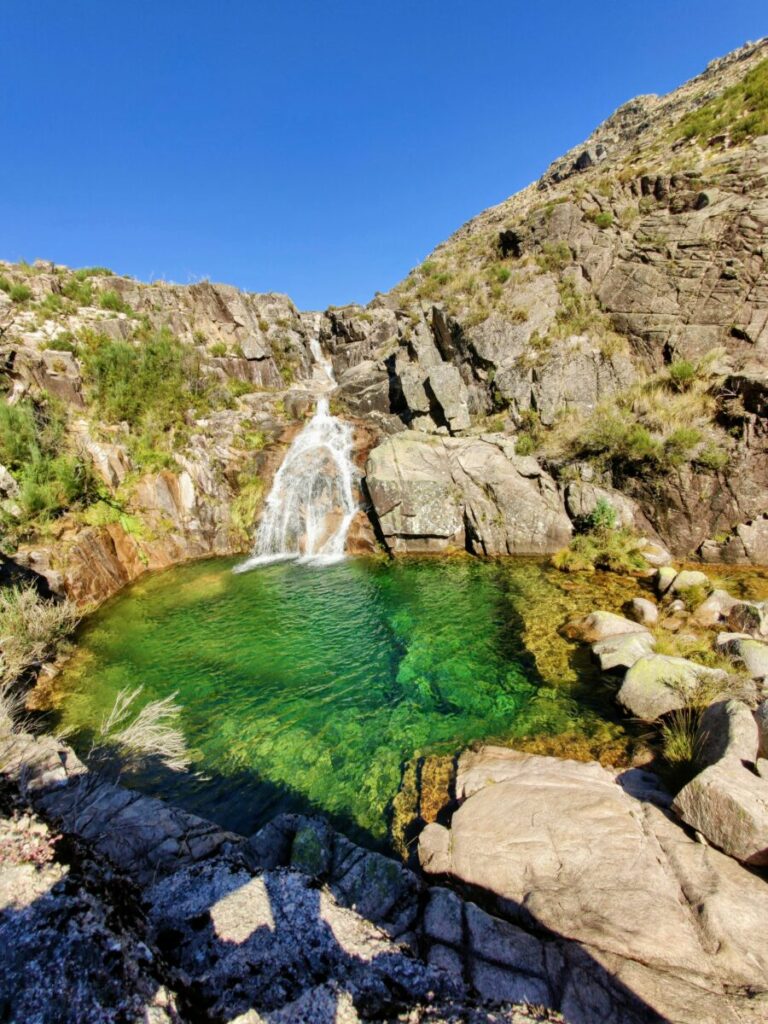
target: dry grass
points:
(656, 424)
(31, 628)
(129, 740)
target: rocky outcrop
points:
(728, 801)
(64, 942)
(658, 926)
(659, 683)
(433, 494)
(167, 917)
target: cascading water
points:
(311, 505)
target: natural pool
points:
(311, 687)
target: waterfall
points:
(311, 505)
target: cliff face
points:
(612, 317)
(603, 333)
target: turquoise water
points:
(305, 687)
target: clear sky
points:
(317, 148)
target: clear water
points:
(306, 687)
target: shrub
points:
(85, 272)
(554, 256)
(682, 374)
(711, 457)
(680, 745)
(20, 293)
(741, 111)
(50, 479)
(678, 445)
(218, 349)
(114, 302)
(52, 304)
(524, 445)
(31, 628)
(5, 284)
(625, 443)
(602, 516)
(601, 218)
(64, 342)
(80, 292)
(602, 548)
(155, 379)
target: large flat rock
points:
(562, 850)
(434, 493)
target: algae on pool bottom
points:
(311, 688)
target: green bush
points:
(20, 293)
(620, 440)
(52, 304)
(64, 342)
(603, 548)
(602, 516)
(5, 284)
(51, 479)
(554, 256)
(80, 292)
(524, 444)
(114, 302)
(601, 218)
(85, 272)
(711, 457)
(679, 445)
(682, 374)
(146, 384)
(218, 349)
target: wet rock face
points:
(437, 494)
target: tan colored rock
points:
(623, 651)
(625, 896)
(601, 625)
(441, 493)
(714, 609)
(644, 611)
(728, 804)
(659, 683)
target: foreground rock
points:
(658, 926)
(728, 801)
(295, 926)
(659, 683)
(433, 494)
(66, 954)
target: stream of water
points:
(310, 507)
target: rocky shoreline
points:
(571, 887)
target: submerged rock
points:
(601, 625)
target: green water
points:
(306, 687)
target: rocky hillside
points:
(600, 335)
(612, 318)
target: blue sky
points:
(316, 148)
